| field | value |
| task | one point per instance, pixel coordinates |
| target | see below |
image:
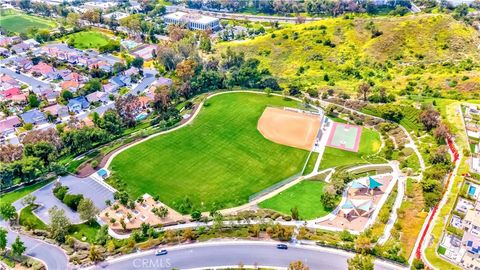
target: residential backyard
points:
(220, 159)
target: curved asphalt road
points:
(52, 256)
(232, 253)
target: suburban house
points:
(118, 81)
(34, 117)
(110, 88)
(20, 47)
(45, 70)
(4, 52)
(7, 81)
(8, 125)
(71, 86)
(77, 104)
(57, 110)
(24, 63)
(51, 96)
(131, 71)
(192, 21)
(97, 97)
(31, 42)
(115, 16)
(147, 52)
(471, 226)
(8, 93)
(5, 41)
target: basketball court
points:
(345, 137)
(289, 127)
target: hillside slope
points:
(433, 50)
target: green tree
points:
(18, 247)
(94, 255)
(3, 239)
(391, 112)
(363, 90)
(196, 215)
(33, 100)
(294, 212)
(111, 122)
(298, 265)
(8, 212)
(137, 62)
(87, 210)
(59, 224)
(361, 262)
(29, 200)
(205, 44)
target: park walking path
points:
(411, 143)
(396, 206)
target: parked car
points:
(159, 252)
(282, 246)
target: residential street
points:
(52, 256)
(34, 83)
(232, 253)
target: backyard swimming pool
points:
(471, 191)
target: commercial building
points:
(192, 21)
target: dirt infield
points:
(289, 127)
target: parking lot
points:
(87, 186)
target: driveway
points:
(34, 83)
(87, 186)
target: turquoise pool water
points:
(471, 190)
(141, 116)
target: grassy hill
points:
(433, 50)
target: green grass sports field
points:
(304, 195)
(17, 22)
(221, 158)
(88, 39)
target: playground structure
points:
(362, 198)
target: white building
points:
(99, 5)
(192, 21)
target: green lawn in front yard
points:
(88, 39)
(369, 144)
(11, 197)
(221, 158)
(28, 219)
(18, 22)
(304, 195)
